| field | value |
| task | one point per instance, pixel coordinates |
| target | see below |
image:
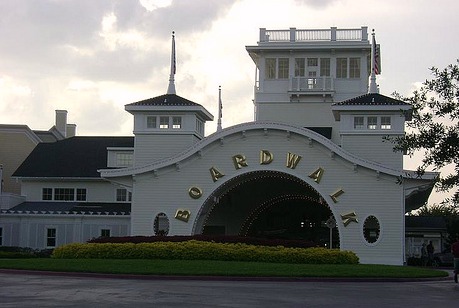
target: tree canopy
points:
(434, 128)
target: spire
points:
(374, 65)
(220, 107)
(171, 87)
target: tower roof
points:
(372, 99)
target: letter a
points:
(317, 174)
(215, 174)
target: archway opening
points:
(268, 204)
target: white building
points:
(314, 155)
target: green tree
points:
(435, 128)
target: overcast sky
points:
(93, 57)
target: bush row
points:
(13, 252)
(206, 238)
(198, 250)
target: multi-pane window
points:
(163, 122)
(81, 194)
(151, 121)
(47, 194)
(283, 68)
(105, 232)
(372, 122)
(341, 67)
(200, 126)
(51, 237)
(124, 159)
(325, 67)
(354, 67)
(123, 195)
(312, 62)
(299, 67)
(385, 123)
(270, 68)
(176, 122)
(64, 194)
(358, 123)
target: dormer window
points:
(176, 122)
(372, 123)
(151, 121)
(358, 123)
(385, 123)
(164, 122)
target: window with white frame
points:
(325, 67)
(176, 122)
(283, 68)
(200, 126)
(124, 159)
(123, 195)
(47, 194)
(358, 122)
(354, 67)
(299, 67)
(163, 122)
(151, 121)
(81, 194)
(270, 68)
(385, 123)
(105, 232)
(64, 194)
(341, 67)
(372, 122)
(312, 62)
(51, 236)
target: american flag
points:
(377, 57)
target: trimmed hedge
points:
(207, 238)
(13, 252)
(198, 250)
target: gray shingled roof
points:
(165, 100)
(95, 208)
(371, 99)
(72, 157)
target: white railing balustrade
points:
(308, 84)
(306, 35)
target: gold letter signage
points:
(292, 160)
(239, 161)
(266, 157)
(348, 218)
(183, 215)
(195, 192)
(336, 194)
(317, 175)
(215, 174)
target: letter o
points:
(195, 192)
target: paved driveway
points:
(31, 290)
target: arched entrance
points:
(267, 204)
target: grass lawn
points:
(219, 268)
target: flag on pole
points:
(174, 64)
(220, 109)
(377, 57)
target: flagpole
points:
(373, 86)
(171, 87)
(220, 107)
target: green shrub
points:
(197, 250)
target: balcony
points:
(308, 85)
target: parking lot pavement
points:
(31, 290)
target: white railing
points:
(308, 84)
(299, 35)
